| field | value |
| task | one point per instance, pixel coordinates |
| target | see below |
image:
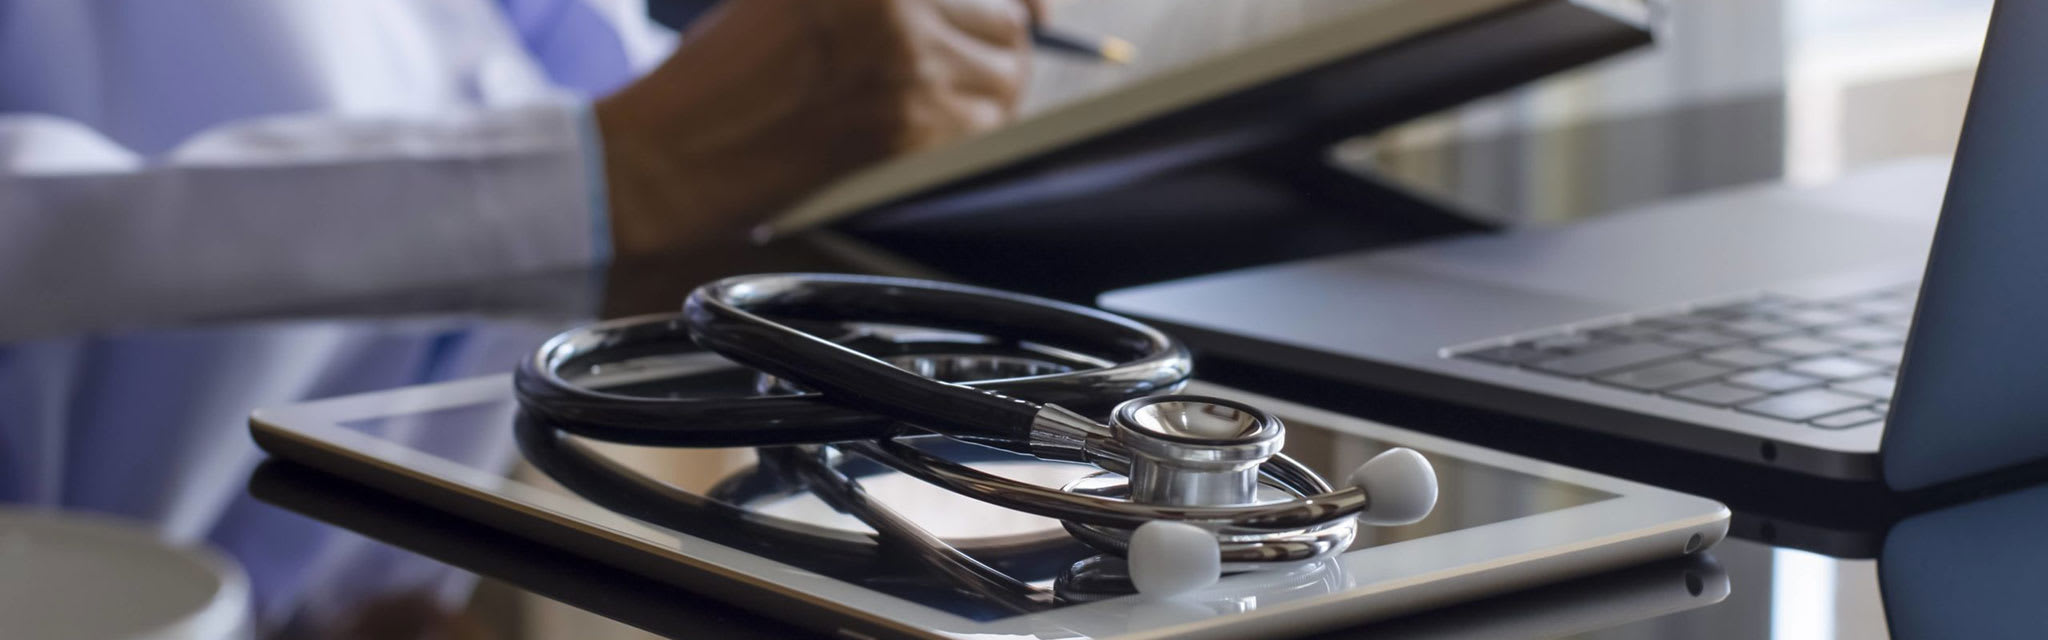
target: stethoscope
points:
(1191, 486)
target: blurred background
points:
(1732, 92)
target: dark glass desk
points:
(148, 422)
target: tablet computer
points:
(711, 521)
(1293, 74)
(1625, 598)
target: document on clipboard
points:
(1346, 68)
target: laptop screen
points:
(1969, 397)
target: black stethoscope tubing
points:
(857, 397)
(722, 516)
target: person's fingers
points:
(983, 114)
(968, 60)
(951, 116)
(967, 64)
(1002, 22)
(955, 62)
(1035, 10)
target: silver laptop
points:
(1773, 325)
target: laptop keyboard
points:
(1826, 363)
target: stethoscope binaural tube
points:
(728, 317)
(748, 318)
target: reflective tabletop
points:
(150, 424)
(143, 414)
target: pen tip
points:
(1118, 50)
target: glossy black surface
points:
(149, 423)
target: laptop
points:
(1815, 330)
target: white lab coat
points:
(160, 159)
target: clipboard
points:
(1382, 63)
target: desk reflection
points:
(152, 426)
(1974, 570)
(1571, 608)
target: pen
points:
(1104, 48)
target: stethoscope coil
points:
(1187, 482)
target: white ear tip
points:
(1170, 558)
(1401, 484)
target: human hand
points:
(767, 100)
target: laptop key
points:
(1744, 357)
(1879, 387)
(1833, 368)
(1863, 334)
(1567, 343)
(1677, 321)
(1800, 406)
(1884, 307)
(1815, 317)
(1760, 303)
(1609, 358)
(1799, 346)
(1725, 311)
(1772, 380)
(1888, 355)
(1755, 328)
(1846, 419)
(1702, 338)
(1664, 376)
(1627, 332)
(1862, 308)
(1716, 394)
(1511, 355)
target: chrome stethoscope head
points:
(1191, 486)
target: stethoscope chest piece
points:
(1198, 451)
(1195, 450)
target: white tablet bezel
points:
(1638, 524)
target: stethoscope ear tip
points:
(1169, 558)
(1400, 485)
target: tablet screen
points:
(723, 497)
